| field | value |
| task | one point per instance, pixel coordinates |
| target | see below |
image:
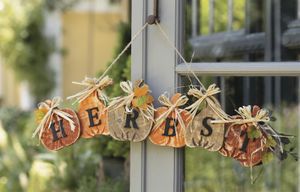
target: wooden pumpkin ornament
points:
(130, 117)
(171, 122)
(201, 132)
(92, 106)
(57, 128)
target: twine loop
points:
(52, 108)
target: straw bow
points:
(126, 101)
(164, 100)
(92, 85)
(245, 112)
(206, 95)
(52, 108)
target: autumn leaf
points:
(39, 114)
(253, 133)
(267, 157)
(141, 91)
(270, 142)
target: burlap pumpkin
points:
(57, 128)
(128, 126)
(130, 117)
(169, 129)
(201, 132)
(92, 111)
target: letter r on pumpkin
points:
(132, 117)
(60, 130)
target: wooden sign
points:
(57, 133)
(169, 129)
(202, 133)
(93, 116)
(128, 126)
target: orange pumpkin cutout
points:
(248, 151)
(130, 118)
(92, 111)
(169, 129)
(59, 134)
(93, 116)
(57, 128)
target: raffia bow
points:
(126, 101)
(246, 116)
(208, 96)
(92, 85)
(164, 100)
(52, 108)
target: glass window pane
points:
(210, 171)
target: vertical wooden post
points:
(155, 168)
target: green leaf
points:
(141, 100)
(267, 157)
(253, 132)
(270, 142)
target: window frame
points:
(155, 168)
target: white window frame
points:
(160, 169)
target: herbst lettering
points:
(93, 115)
(168, 126)
(60, 130)
(132, 117)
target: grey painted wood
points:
(138, 71)
(240, 69)
(195, 18)
(155, 168)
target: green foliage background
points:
(24, 46)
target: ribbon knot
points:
(172, 106)
(126, 101)
(247, 117)
(92, 85)
(208, 96)
(51, 107)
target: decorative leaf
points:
(267, 157)
(39, 114)
(141, 91)
(253, 133)
(150, 99)
(270, 142)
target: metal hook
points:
(152, 19)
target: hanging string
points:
(97, 84)
(124, 50)
(179, 54)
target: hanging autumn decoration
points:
(201, 132)
(250, 140)
(130, 117)
(171, 122)
(57, 128)
(92, 103)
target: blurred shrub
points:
(24, 46)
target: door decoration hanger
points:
(57, 128)
(201, 132)
(130, 117)
(170, 122)
(92, 103)
(251, 141)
